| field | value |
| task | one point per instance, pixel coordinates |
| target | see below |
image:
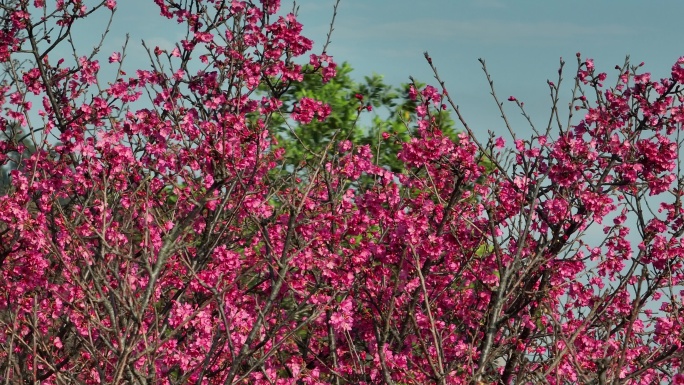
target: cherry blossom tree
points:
(153, 235)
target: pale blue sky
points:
(521, 41)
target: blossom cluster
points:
(160, 240)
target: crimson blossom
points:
(149, 233)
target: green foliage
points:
(350, 119)
(16, 138)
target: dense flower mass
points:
(150, 231)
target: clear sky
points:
(521, 41)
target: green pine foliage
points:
(18, 146)
(379, 108)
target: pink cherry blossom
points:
(115, 57)
(150, 232)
